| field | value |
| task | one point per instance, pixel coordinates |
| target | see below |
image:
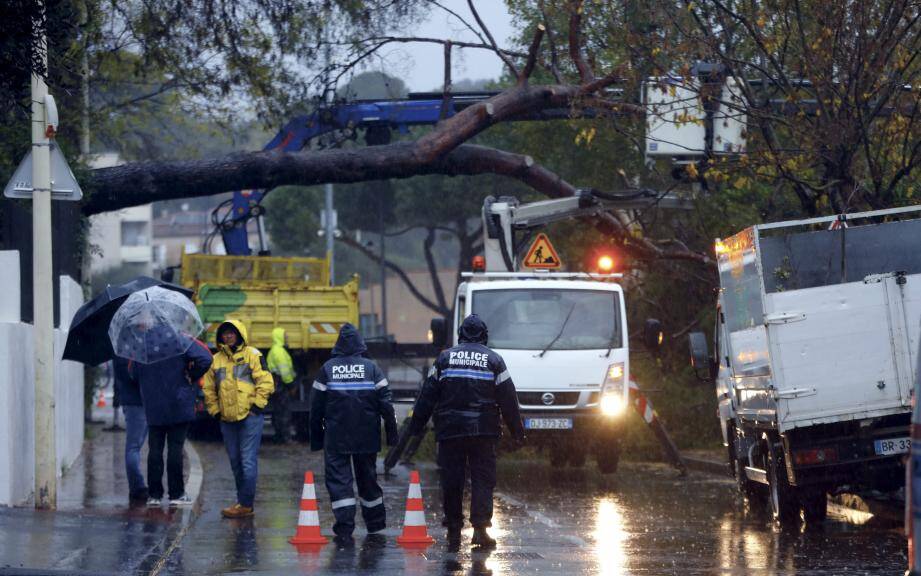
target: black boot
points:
(482, 539)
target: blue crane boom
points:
(377, 118)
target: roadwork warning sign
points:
(542, 254)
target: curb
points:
(705, 465)
(196, 475)
(193, 489)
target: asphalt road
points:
(643, 520)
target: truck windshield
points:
(529, 319)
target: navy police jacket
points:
(468, 389)
(350, 396)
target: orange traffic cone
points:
(101, 403)
(308, 519)
(414, 531)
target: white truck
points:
(563, 335)
(816, 329)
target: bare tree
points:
(444, 150)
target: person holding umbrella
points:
(135, 428)
(168, 390)
(238, 387)
(153, 329)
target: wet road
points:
(645, 520)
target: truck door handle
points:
(796, 392)
(784, 317)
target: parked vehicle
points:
(265, 292)
(816, 324)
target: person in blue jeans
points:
(237, 388)
(169, 389)
(129, 394)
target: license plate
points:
(548, 423)
(892, 446)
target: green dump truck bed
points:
(265, 292)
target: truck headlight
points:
(612, 391)
(612, 404)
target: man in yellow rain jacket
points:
(282, 368)
(237, 387)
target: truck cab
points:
(564, 339)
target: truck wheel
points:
(784, 504)
(751, 491)
(608, 459)
(815, 507)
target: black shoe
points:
(482, 539)
(375, 541)
(343, 541)
(139, 496)
(454, 539)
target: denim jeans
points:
(136, 433)
(242, 439)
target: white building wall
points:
(17, 391)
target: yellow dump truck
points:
(265, 292)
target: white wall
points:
(17, 397)
(68, 382)
(17, 392)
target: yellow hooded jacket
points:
(237, 379)
(279, 361)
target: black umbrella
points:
(88, 339)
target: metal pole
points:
(43, 297)
(380, 222)
(330, 231)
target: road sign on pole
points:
(63, 184)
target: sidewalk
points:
(94, 530)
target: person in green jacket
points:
(282, 368)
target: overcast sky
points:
(421, 66)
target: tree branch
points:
(433, 268)
(351, 242)
(139, 183)
(554, 58)
(382, 40)
(532, 54)
(575, 42)
(446, 89)
(492, 41)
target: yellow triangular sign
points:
(542, 254)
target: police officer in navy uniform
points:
(350, 396)
(467, 390)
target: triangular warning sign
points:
(542, 254)
(63, 184)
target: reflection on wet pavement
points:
(643, 521)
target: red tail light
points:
(816, 456)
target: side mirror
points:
(700, 355)
(439, 330)
(652, 334)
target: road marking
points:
(541, 517)
(193, 489)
